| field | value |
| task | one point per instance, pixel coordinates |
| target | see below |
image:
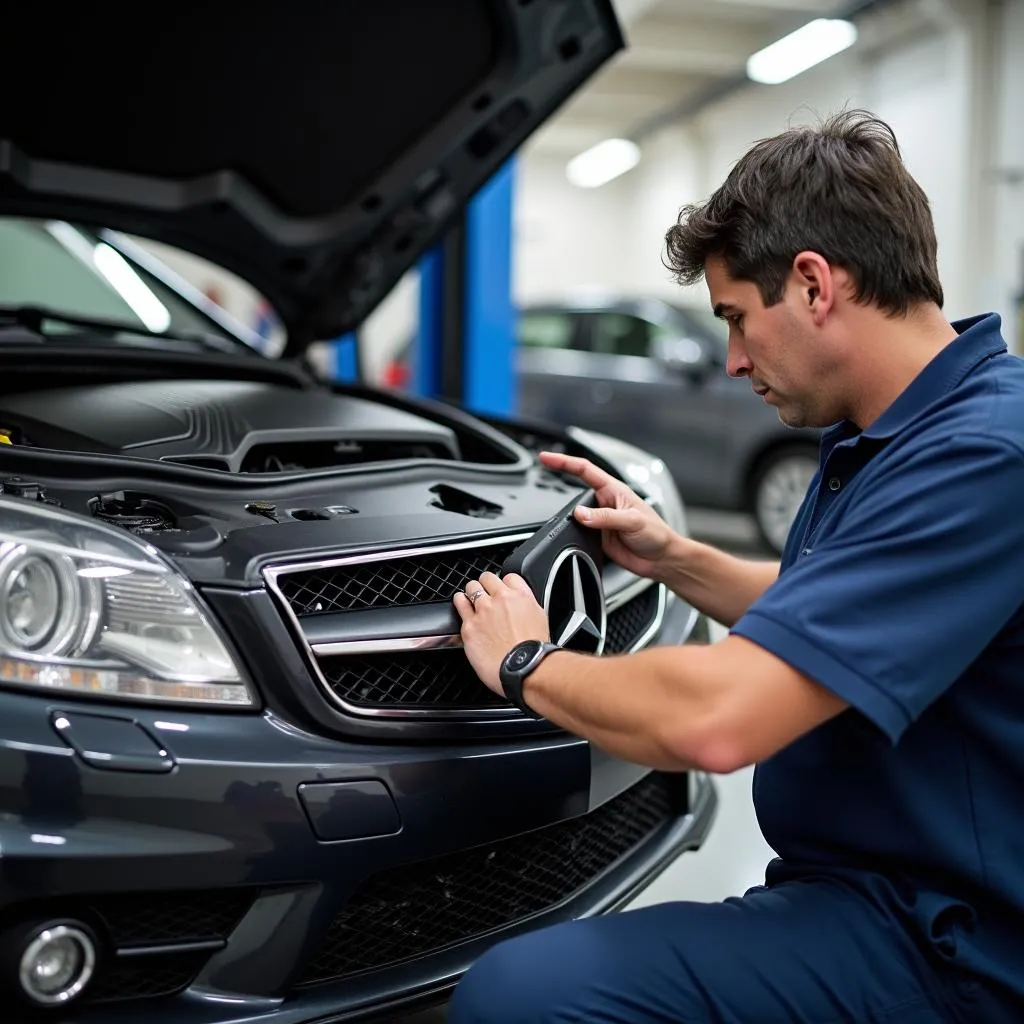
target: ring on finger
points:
(476, 595)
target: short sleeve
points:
(920, 574)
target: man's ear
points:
(816, 283)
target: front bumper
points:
(213, 898)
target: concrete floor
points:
(735, 854)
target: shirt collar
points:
(979, 338)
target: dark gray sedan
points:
(654, 374)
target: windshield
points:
(72, 270)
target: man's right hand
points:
(632, 533)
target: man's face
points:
(778, 348)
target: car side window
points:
(621, 334)
(547, 330)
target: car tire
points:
(778, 486)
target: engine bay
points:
(232, 426)
(223, 474)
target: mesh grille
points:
(390, 583)
(423, 679)
(422, 908)
(142, 919)
(629, 622)
(144, 977)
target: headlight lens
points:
(30, 601)
(644, 472)
(87, 609)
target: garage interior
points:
(547, 297)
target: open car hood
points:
(315, 149)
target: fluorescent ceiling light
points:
(599, 164)
(789, 56)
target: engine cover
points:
(235, 426)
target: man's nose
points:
(738, 363)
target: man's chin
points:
(788, 416)
(797, 419)
(792, 418)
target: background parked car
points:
(653, 373)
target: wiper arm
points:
(34, 317)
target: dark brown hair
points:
(839, 189)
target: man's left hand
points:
(498, 613)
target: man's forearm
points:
(655, 707)
(721, 586)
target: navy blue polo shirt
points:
(902, 591)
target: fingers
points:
(474, 592)
(516, 582)
(490, 582)
(463, 606)
(622, 520)
(582, 468)
(465, 601)
(489, 585)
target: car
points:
(246, 771)
(653, 373)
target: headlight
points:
(90, 610)
(644, 472)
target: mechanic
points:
(876, 677)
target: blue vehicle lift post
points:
(465, 345)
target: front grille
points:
(422, 908)
(153, 919)
(390, 583)
(440, 679)
(628, 623)
(392, 679)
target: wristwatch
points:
(517, 665)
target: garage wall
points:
(574, 241)
(565, 238)
(672, 173)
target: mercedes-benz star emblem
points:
(574, 602)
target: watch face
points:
(522, 653)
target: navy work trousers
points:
(801, 952)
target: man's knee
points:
(580, 971)
(526, 978)
(501, 985)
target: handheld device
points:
(562, 564)
(534, 558)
